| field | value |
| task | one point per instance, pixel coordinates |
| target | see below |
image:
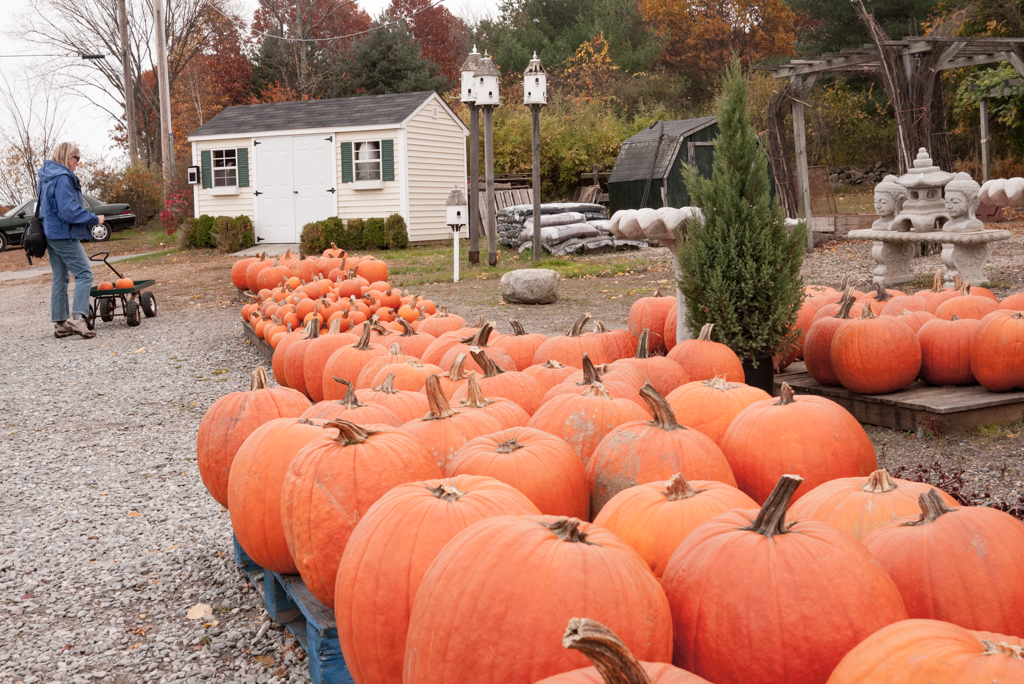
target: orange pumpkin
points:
(372, 270)
(570, 348)
(704, 359)
(238, 270)
(318, 352)
(507, 412)
(252, 272)
(936, 288)
(861, 505)
(946, 351)
(967, 305)
(231, 419)
(818, 344)
(495, 382)
(479, 341)
(621, 386)
(726, 582)
(520, 346)
(280, 352)
(124, 284)
(444, 430)
(549, 373)
(269, 278)
(254, 489)
(650, 313)
(295, 357)
(542, 570)
(875, 355)
(403, 403)
(806, 434)
(619, 343)
(541, 466)
(878, 299)
(997, 351)
(629, 375)
(664, 373)
(909, 302)
(351, 409)
(655, 517)
(386, 558)
(914, 319)
(455, 378)
(409, 375)
(961, 565)
(348, 362)
(332, 482)
(369, 371)
(440, 323)
(411, 341)
(709, 406)
(1014, 302)
(648, 451)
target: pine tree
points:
(741, 269)
(388, 60)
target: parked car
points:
(15, 221)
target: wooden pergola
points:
(909, 69)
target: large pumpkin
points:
(549, 373)
(351, 409)
(967, 305)
(316, 355)
(541, 466)
(231, 419)
(946, 351)
(411, 341)
(496, 382)
(409, 375)
(796, 596)
(875, 355)
(479, 341)
(330, 485)
(507, 412)
(622, 383)
(405, 404)
(810, 435)
(295, 356)
(914, 320)
(647, 451)
(238, 270)
(705, 359)
(369, 371)
(584, 419)
(655, 517)
(252, 272)
(254, 489)
(664, 373)
(861, 505)
(961, 565)
(281, 351)
(570, 348)
(521, 346)
(440, 323)
(494, 603)
(710, 405)
(818, 344)
(650, 313)
(1014, 302)
(347, 363)
(613, 663)
(619, 343)
(388, 554)
(932, 652)
(997, 351)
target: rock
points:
(530, 286)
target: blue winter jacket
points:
(60, 204)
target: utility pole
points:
(129, 90)
(166, 152)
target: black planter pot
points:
(762, 377)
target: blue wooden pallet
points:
(291, 604)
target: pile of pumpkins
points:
(511, 508)
(881, 342)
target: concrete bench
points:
(963, 253)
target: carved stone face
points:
(956, 204)
(884, 204)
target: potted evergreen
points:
(741, 269)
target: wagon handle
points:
(102, 256)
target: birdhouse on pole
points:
(487, 81)
(535, 83)
(469, 67)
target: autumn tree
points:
(832, 25)
(441, 35)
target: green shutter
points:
(346, 162)
(207, 170)
(243, 166)
(387, 159)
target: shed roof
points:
(634, 160)
(348, 112)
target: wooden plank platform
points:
(262, 345)
(290, 603)
(938, 410)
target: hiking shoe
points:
(61, 329)
(77, 324)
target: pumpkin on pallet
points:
(411, 341)
(705, 359)
(664, 373)
(946, 351)
(622, 383)
(348, 362)
(480, 341)
(453, 379)
(967, 305)
(505, 411)
(875, 354)
(368, 373)
(818, 344)
(317, 354)
(997, 351)
(619, 343)
(444, 430)
(549, 373)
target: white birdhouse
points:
(487, 79)
(469, 67)
(456, 209)
(535, 83)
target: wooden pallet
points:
(938, 410)
(262, 345)
(290, 603)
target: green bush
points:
(137, 186)
(198, 233)
(353, 234)
(312, 240)
(373, 234)
(334, 231)
(395, 234)
(234, 234)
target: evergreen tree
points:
(832, 25)
(388, 60)
(741, 269)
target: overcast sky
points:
(89, 127)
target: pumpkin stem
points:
(932, 508)
(992, 648)
(596, 390)
(551, 363)
(394, 350)
(349, 400)
(258, 379)
(474, 395)
(517, 327)
(937, 281)
(771, 520)
(458, 370)
(335, 327)
(958, 281)
(567, 530)
(479, 322)
(313, 329)
(599, 327)
(955, 318)
(485, 362)
(844, 308)
(664, 416)
(364, 339)
(387, 387)
(348, 432)
(642, 346)
(602, 647)
(590, 373)
(879, 482)
(678, 488)
(439, 406)
(844, 284)
(786, 395)
(446, 492)
(705, 332)
(867, 312)
(966, 290)
(577, 328)
(407, 329)
(720, 383)
(480, 339)
(881, 294)
(508, 446)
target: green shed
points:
(650, 164)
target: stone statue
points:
(889, 199)
(962, 197)
(923, 210)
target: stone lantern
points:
(469, 68)
(924, 209)
(487, 81)
(535, 83)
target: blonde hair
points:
(63, 153)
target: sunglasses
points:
(77, 158)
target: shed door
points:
(314, 179)
(275, 203)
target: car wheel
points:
(148, 304)
(131, 312)
(3, 242)
(100, 233)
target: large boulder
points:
(530, 286)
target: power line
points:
(65, 54)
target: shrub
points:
(137, 186)
(353, 234)
(395, 234)
(373, 234)
(334, 231)
(234, 234)
(312, 240)
(198, 233)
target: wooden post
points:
(984, 139)
(491, 218)
(474, 184)
(165, 93)
(129, 91)
(537, 251)
(802, 175)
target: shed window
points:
(367, 161)
(225, 168)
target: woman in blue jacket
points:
(66, 222)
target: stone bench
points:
(963, 253)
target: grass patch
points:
(855, 199)
(141, 257)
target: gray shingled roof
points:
(363, 110)
(634, 160)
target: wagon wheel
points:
(148, 304)
(131, 312)
(106, 307)
(90, 320)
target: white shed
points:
(287, 164)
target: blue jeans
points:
(68, 256)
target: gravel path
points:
(108, 536)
